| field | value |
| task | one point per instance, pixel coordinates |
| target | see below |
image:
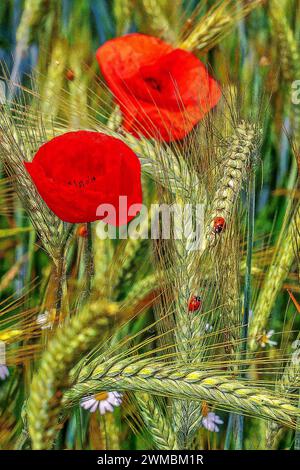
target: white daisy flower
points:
(4, 372)
(103, 401)
(265, 340)
(45, 320)
(208, 327)
(211, 421)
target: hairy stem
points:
(89, 260)
(60, 279)
(247, 290)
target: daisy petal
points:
(94, 406)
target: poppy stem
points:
(60, 279)
(89, 260)
(61, 272)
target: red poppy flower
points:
(77, 171)
(162, 92)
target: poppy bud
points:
(82, 231)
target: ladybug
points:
(219, 225)
(82, 231)
(195, 303)
(70, 75)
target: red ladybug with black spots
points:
(195, 303)
(219, 225)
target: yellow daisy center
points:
(264, 339)
(101, 396)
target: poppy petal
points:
(162, 92)
(78, 171)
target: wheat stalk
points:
(32, 13)
(288, 49)
(237, 164)
(76, 337)
(185, 383)
(216, 24)
(143, 288)
(183, 275)
(160, 163)
(103, 253)
(287, 386)
(228, 281)
(289, 56)
(159, 425)
(277, 273)
(241, 154)
(123, 10)
(52, 86)
(188, 332)
(131, 256)
(190, 328)
(77, 75)
(114, 121)
(13, 153)
(158, 21)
